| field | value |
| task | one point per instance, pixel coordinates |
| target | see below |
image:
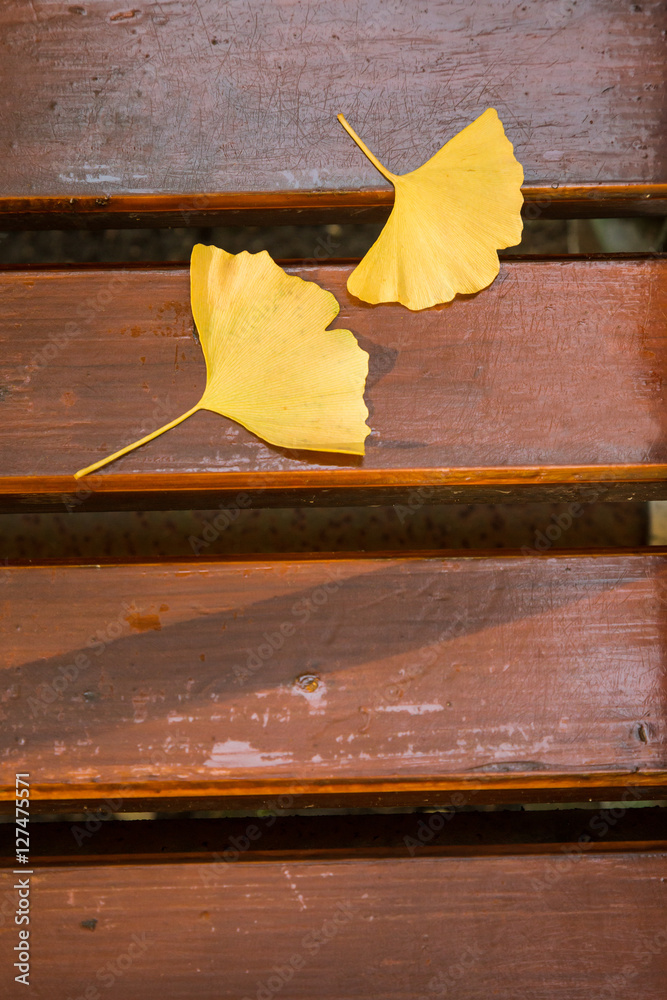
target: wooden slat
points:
(338, 681)
(188, 113)
(248, 208)
(547, 385)
(550, 927)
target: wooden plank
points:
(195, 113)
(549, 927)
(286, 208)
(397, 680)
(549, 385)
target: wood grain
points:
(550, 927)
(548, 385)
(217, 110)
(365, 681)
(287, 208)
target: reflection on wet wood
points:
(213, 111)
(529, 390)
(363, 680)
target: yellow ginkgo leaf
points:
(450, 216)
(271, 364)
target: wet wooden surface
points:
(553, 377)
(287, 208)
(359, 680)
(553, 927)
(104, 104)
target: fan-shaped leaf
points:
(271, 363)
(449, 218)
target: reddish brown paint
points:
(584, 635)
(395, 679)
(248, 208)
(553, 375)
(553, 926)
(190, 100)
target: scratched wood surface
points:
(552, 377)
(548, 927)
(231, 108)
(357, 680)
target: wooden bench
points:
(171, 115)
(426, 685)
(532, 390)
(204, 908)
(339, 681)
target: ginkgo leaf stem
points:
(137, 444)
(364, 149)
